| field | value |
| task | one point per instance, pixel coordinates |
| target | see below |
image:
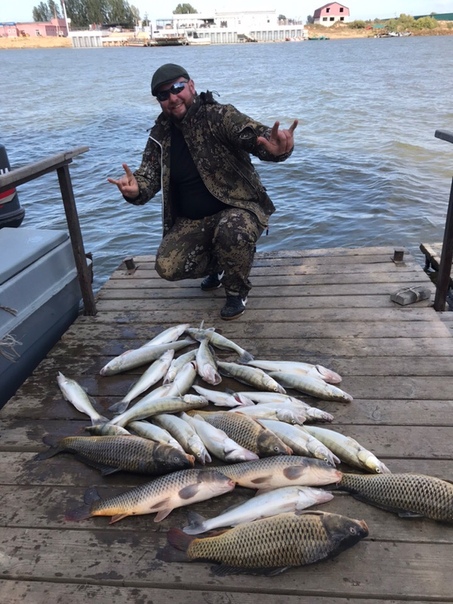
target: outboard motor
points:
(11, 214)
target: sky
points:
(22, 10)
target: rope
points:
(7, 348)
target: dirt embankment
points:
(334, 33)
(35, 42)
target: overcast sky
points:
(22, 10)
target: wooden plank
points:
(307, 305)
(44, 507)
(420, 571)
(39, 592)
(362, 411)
(385, 441)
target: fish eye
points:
(352, 530)
(277, 449)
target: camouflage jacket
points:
(220, 140)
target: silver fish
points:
(348, 450)
(168, 335)
(185, 435)
(160, 496)
(177, 364)
(271, 503)
(298, 367)
(219, 341)
(206, 364)
(153, 432)
(155, 372)
(278, 412)
(183, 380)
(312, 386)
(251, 376)
(76, 395)
(300, 441)
(221, 399)
(106, 429)
(140, 356)
(271, 398)
(217, 441)
(148, 408)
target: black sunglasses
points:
(164, 95)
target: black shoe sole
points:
(234, 317)
(212, 288)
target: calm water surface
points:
(366, 170)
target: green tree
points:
(41, 12)
(84, 13)
(184, 9)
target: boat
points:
(167, 38)
(39, 299)
(11, 212)
(44, 278)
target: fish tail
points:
(81, 513)
(196, 524)
(85, 511)
(179, 540)
(52, 441)
(246, 357)
(119, 407)
(99, 420)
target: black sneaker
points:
(234, 308)
(212, 282)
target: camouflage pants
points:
(223, 242)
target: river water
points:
(366, 169)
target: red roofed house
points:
(330, 14)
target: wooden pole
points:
(446, 258)
(72, 218)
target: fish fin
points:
(179, 539)
(83, 512)
(407, 514)
(169, 554)
(195, 525)
(119, 408)
(189, 491)
(99, 420)
(329, 376)
(103, 468)
(161, 514)
(294, 472)
(223, 570)
(117, 517)
(246, 357)
(264, 480)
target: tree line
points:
(84, 13)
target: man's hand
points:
(127, 184)
(280, 141)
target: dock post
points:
(446, 258)
(75, 233)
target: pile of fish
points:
(264, 438)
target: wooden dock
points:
(328, 306)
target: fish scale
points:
(161, 495)
(288, 539)
(418, 494)
(129, 453)
(247, 432)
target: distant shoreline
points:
(337, 33)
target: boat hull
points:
(40, 298)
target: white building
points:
(223, 27)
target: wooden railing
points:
(443, 278)
(60, 163)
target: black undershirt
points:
(189, 194)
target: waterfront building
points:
(331, 13)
